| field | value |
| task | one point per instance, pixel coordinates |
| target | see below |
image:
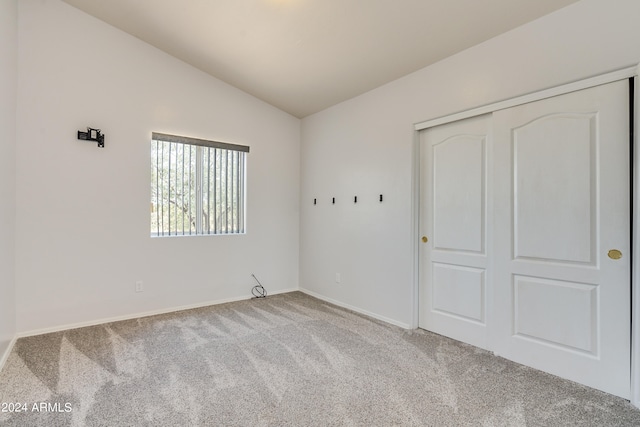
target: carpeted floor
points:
(287, 360)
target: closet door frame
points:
(622, 74)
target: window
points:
(197, 186)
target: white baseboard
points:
(139, 315)
(5, 355)
(356, 309)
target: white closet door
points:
(562, 236)
(455, 222)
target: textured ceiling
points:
(303, 56)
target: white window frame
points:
(206, 195)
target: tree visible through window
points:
(197, 186)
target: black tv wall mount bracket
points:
(92, 135)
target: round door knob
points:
(615, 254)
(424, 239)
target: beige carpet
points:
(287, 360)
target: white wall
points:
(83, 212)
(8, 87)
(364, 146)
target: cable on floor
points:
(258, 290)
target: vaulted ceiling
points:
(303, 56)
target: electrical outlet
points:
(139, 286)
(338, 278)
